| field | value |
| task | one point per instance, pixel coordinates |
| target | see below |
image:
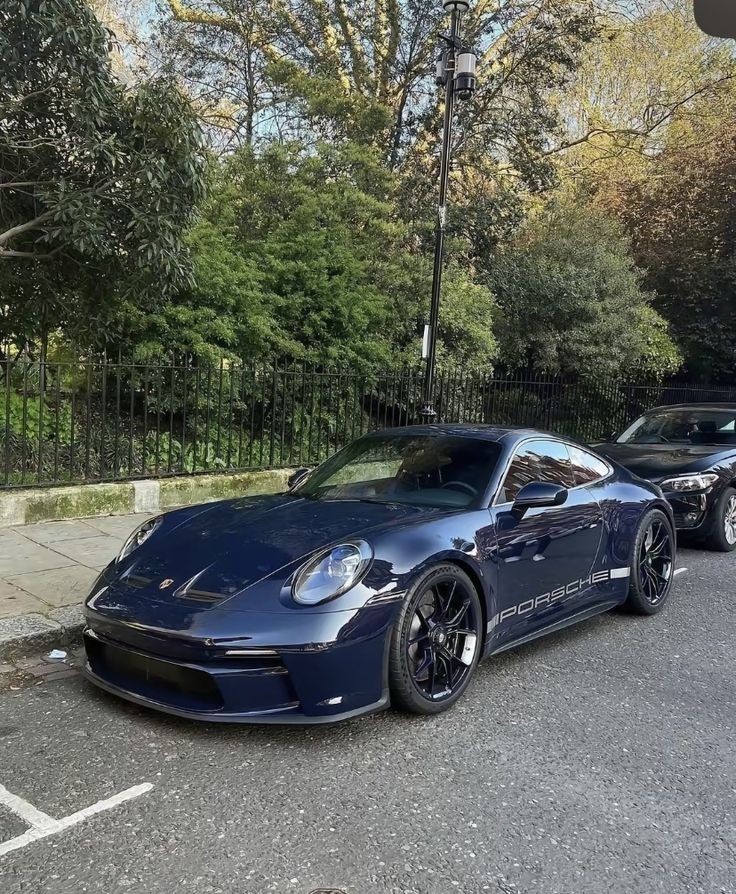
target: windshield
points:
(701, 426)
(423, 470)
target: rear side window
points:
(537, 461)
(587, 468)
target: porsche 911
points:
(382, 577)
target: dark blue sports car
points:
(382, 577)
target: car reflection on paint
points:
(382, 577)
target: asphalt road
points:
(602, 759)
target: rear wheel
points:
(436, 643)
(652, 564)
(723, 532)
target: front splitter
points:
(278, 717)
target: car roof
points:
(702, 405)
(469, 430)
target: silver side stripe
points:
(574, 588)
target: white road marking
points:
(26, 811)
(42, 825)
(680, 570)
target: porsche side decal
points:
(574, 588)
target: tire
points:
(441, 620)
(722, 536)
(652, 565)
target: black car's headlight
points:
(139, 536)
(689, 483)
(332, 572)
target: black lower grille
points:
(152, 678)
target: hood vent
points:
(192, 593)
(196, 595)
(137, 581)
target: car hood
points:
(218, 553)
(659, 461)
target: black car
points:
(689, 450)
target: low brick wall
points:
(23, 507)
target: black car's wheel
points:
(722, 535)
(652, 564)
(436, 642)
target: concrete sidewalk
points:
(46, 570)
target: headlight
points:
(332, 573)
(689, 483)
(139, 536)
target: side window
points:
(586, 467)
(536, 461)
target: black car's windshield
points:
(441, 471)
(697, 426)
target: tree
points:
(300, 253)
(682, 218)
(331, 70)
(97, 182)
(570, 300)
(650, 141)
(651, 69)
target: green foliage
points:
(315, 242)
(683, 221)
(303, 253)
(467, 323)
(570, 300)
(650, 118)
(98, 181)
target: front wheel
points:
(435, 645)
(652, 564)
(723, 531)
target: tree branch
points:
(329, 36)
(11, 253)
(191, 16)
(352, 43)
(640, 131)
(394, 35)
(380, 42)
(24, 227)
(15, 184)
(199, 17)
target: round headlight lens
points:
(139, 537)
(332, 573)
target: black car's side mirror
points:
(297, 477)
(539, 494)
(609, 436)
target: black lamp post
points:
(456, 72)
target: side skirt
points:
(583, 615)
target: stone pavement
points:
(47, 569)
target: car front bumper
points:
(337, 671)
(690, 510)
(693, 512)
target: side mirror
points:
(538, 494)
(609, 436)
(297, 477)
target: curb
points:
(41, 504)
(33, 633)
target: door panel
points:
(546, 556)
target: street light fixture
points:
(455, 71)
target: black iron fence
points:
(102, 421)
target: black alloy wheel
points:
(653, 564)
(437, 641)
